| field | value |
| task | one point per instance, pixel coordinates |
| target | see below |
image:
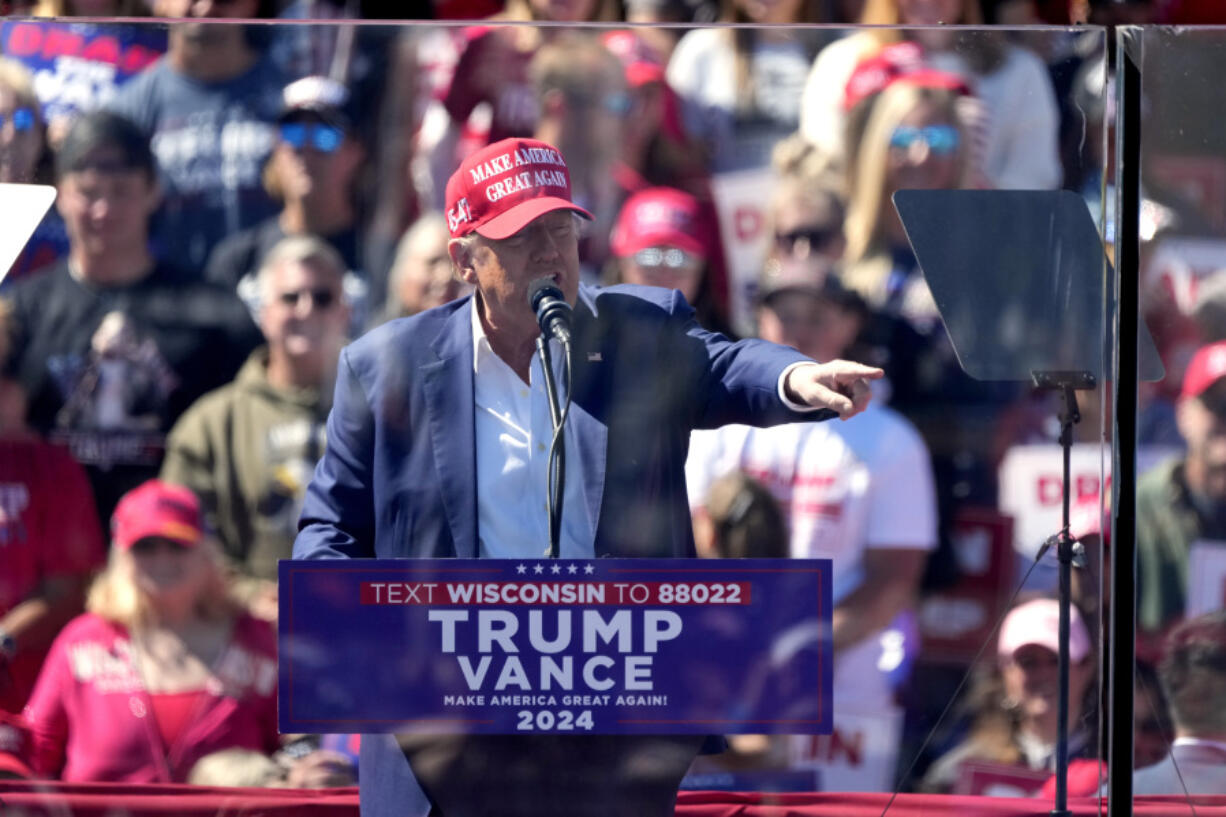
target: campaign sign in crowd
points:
(606, 646)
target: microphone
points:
(552, 311)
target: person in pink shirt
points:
(49, 555)
(164, 667)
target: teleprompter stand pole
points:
(1067, 383)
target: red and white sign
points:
(859, 755)
(1031, 485)
(742, 199)
(999, 780)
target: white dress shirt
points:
(513, 432)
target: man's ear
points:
(153, 198)
(461, 252)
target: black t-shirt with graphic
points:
(108, 370)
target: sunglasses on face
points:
(617, 104)
(815, 236)
(323, 138)
(22, 119)
(152, 544)
(942, 140)
(671, 258)
(319, 298)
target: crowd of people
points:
(236, 203)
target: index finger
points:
(850, 370)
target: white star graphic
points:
(538, 569)
(556, 569)
(521, 569)
(589, 569)
(573, 569)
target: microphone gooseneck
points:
(549, 305)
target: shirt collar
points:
(481, 343)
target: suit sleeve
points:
(738, 382)
(338, 520)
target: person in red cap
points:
(1182, 502)
(438, 435)
(662, 238)
(164, 667)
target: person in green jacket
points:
(249, 448)
(1183, 501)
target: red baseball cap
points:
(642, 65)
(159, 509)
(660, 216)
(873, 73)
(499, 189)
(1207, 367)
(901, 62)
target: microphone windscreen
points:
(541, 288)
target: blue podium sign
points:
(603, 646)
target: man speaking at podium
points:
(437, 444)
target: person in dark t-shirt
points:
(111, 344)
(313, 169)
(208, 107)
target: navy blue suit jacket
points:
(398, 478)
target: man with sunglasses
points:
(113, 343)
(312, 171)
(438, 438)
(248, 449)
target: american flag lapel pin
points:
(593, 357)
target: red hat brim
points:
(505, 225)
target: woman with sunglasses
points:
(313, 171)
(913, 140)
(164, 668)
(1020, 116)
(662, 238)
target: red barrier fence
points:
(31, 799)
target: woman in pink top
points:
(164, 668)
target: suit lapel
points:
(589, 433)
(449, 405)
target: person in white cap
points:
(438, 436)
(1016, 720)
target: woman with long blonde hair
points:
(913, 139)
(165, 666)
(1020, 118)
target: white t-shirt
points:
(702, 72)
(845, 487)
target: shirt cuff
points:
(792, 404)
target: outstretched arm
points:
(840, 385)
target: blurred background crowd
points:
(236, 202)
